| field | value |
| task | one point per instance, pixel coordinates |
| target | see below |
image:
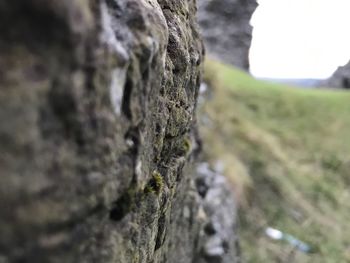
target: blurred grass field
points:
(286, 152)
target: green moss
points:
(136, 258)
(156, 184)
(186, 145)
(178, 121)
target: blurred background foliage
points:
(285, 151)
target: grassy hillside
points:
(286, 152)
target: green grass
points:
(286, 152)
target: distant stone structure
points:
(340, 78)
(226, 29)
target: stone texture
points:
(339, 79)
(218, 242)
(97, 126)
(226, 29)
(98, 136)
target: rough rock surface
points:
(340, 78)
(226, 29)
(97, 128)
(218, 240)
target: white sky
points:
(300, 38)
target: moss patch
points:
(156, 184)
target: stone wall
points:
(98, 132)
(226, 29)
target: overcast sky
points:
(300, 38)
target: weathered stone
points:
(98, 135)
(218, 242)
(339, 79)
(97, 99)
(226, 29)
